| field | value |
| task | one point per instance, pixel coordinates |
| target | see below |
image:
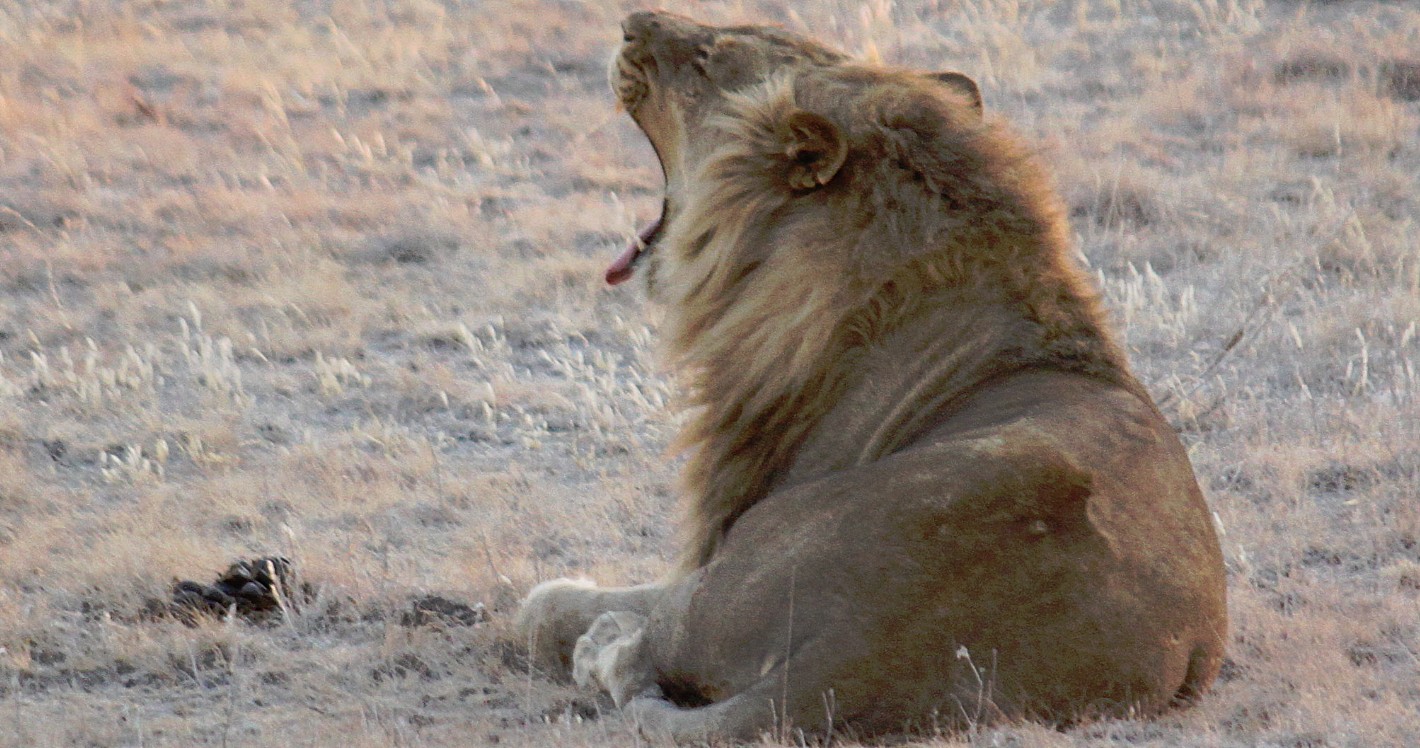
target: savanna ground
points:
(323, 279)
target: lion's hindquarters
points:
(971, 570)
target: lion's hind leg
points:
(746, 716)
(613, 657)
(781, 703)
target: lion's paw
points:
(549, 623)
(611, 656)
(547, 600)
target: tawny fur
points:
(911, 433)
(767, 305)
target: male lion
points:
(924, 487)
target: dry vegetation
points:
(322, 279)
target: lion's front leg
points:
(556, 613)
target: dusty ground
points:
(322, 279)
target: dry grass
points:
(322, 279)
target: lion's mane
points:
(770, 299)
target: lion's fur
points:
(767, 330)
(911, 434)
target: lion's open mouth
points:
(624, 266)
(632, 86)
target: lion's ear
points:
(963, 85)
(815, 148)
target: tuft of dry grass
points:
(322, 280)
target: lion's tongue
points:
(620, 269)
(624, 266)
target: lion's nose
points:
(639, 26)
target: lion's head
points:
(679, 80)
(814, 205)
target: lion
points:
(924, 488)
